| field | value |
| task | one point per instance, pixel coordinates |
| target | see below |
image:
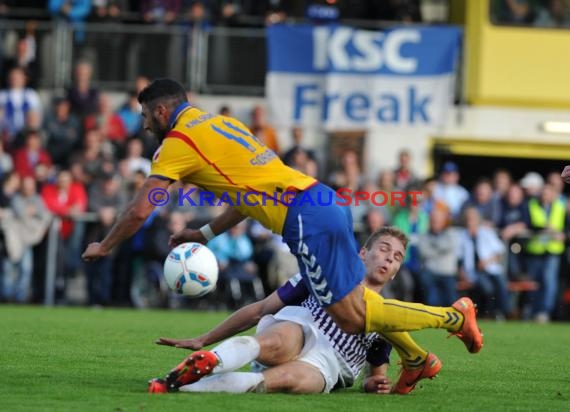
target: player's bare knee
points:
(280, 344)
(274, 349)
(290, 381)
(270, 344)
(284, 381)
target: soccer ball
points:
(191, 269)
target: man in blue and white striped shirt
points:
(20, 106)
(298, 345)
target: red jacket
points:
(23, 164)
(62, 205)
(114, 129)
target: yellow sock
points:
(411, 354)
(390, 315)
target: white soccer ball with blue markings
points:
(191, 269)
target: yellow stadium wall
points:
(515, 66)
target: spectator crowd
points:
(240, 13)
(538, 13)
(80, 159)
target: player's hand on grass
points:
(94, 252)
(186, 235)
(566, 174)
(377, 384)
(193, 344)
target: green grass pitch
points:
(70, 359)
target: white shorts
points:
(317, 350)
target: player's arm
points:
(293, 292)
(378, 358)
(239, 321)
(219, 224)
(130, 220)
(377, 380)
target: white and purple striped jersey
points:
(353, 349)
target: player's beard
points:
(159, 131)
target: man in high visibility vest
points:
(547, 216)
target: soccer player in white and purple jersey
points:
(300, 348)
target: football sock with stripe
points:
(390, 315)
(411, 354)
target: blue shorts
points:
(320, 234)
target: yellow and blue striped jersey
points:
(220, 155)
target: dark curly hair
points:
(166, 91)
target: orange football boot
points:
(469, 333)
(192, 369)
(410, 377)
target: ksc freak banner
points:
(339, 77)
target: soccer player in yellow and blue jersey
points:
(220, 155)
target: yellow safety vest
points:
(539, 244)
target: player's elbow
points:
(256, 317)
(258, 312)
(268, 306)
(251, 314)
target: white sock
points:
(231, 382)
(235, 353)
